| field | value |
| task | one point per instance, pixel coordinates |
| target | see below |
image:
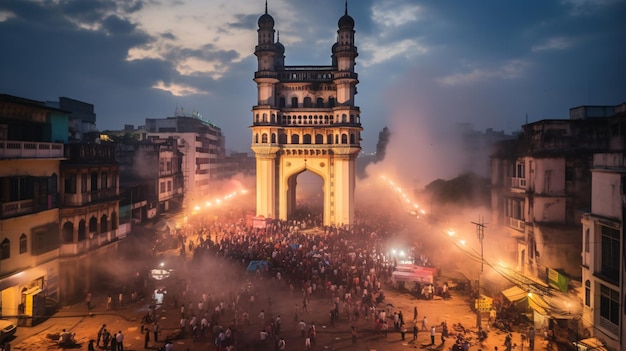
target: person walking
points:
(402, 330)
(120, 341)
(155, 330)
(100, 334)
(415, 329)
(114, 342)
(432, 335)
(146, 339)
(88, 300)
(106, 337)
(425, 324)
(281, 344)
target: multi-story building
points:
(541, 186)
(82, 118)
(31, 148)
(202, 146)
(89, 218)
(151, 190)
(306, 120)
(604, 243)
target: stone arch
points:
(352, 138)
(329, 139)
(5, 249)
(344, 138)
(307, 102)
(295, 139)
(256, 138)
(67, 233)
(306, 139)
(273, 138)
(264, 138)
(82, 230)
(319, 102)
(23, 243)
(319, 139)
(93, 225)
(114, 220)
(104, 224)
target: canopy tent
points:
(514, 294)
(257, 265)
(590, 344)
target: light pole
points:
(480, 232)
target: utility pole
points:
(480, 232)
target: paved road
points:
(85, 324)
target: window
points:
(520, 170)
(23, 243)
(104, 182)
(294, 101)
(587, 293)
(93, 225)
(169, 185)
(587, 240)
(94, 181)
(5, 252)
(281, 101)
(306, 139)
(162, 187)
(70, 184)
(609, 304)
(104, 227)
(264, 138)
(320, 102)
(83, 183)
(308, 102)
(610, 254)
(514, 208)
(344, 138)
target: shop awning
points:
(590, 344)
(514, 294)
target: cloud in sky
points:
(432, 63)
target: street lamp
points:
(480, 232)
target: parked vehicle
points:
(7, 329)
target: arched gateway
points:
(306, 120)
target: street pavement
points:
(77, 319)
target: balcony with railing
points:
(90, 196)
(518, 183)
(515, 223)
(28, 149)
(16, 208)
(90, 244)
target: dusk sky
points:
(422, 64)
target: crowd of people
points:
(342, 266)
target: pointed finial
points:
(346, 7)
(277, 36)
(266, 6)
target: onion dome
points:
(280, 48)
(266, 21)
(346, 22)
